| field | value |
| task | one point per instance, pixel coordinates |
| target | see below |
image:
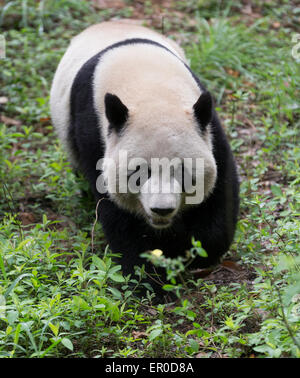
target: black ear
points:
(203, 109)
(115, 111)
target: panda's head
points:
(158, 157)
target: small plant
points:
(176, 268)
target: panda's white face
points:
(158, 170)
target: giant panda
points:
(125, 90)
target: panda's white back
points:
(82, 47)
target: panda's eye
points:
(179, 176)
(143, 173)
(186, 179)
(138, 167)
(131, 172)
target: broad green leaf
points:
(155, 333)
(67, 343)
(116, 277)
(99, 263)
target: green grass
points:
(57, 297)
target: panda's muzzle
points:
(162, 211)
(161, 217)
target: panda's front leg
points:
(214, 226)
(128, 236)
(124, 233)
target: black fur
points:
(116, 112)
(203, 110)
(212, 222)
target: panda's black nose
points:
(162, 211)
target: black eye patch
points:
(185, 178)
(140, 175)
